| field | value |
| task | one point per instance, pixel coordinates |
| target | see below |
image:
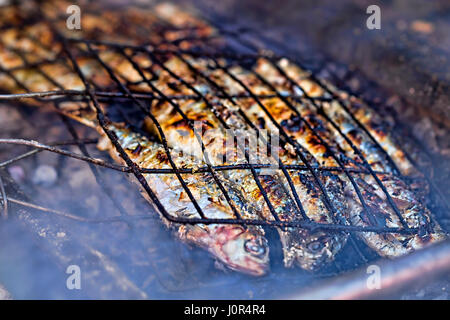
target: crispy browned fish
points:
(316, 141)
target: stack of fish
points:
(339, 133)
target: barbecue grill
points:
(238, 45)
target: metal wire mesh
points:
(220, 51)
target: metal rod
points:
(51, 148)
(139, 95)
(71, 216)
(35, 151)
(421, 267)
(41, 146)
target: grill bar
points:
(398, 275)
(138, 95)
(52, 148)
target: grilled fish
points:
(310, 250)
(311, 138)
(311, 127)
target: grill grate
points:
(205, 47)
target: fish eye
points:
(254, 248)
(315, 246)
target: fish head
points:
(242, 249)
(317, 249)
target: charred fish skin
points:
(241, 249)
(308, 250)
(405, 161)
(414, 213)
(357, 111)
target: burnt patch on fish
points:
(293, 124)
